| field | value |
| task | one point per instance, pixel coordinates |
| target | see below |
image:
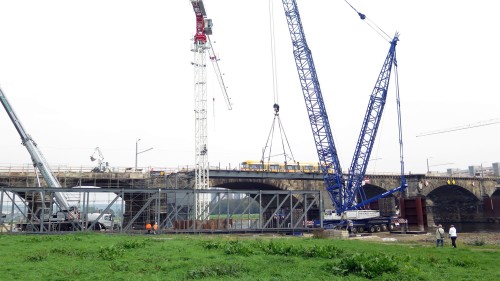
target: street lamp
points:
(428, 171)
(137, 152)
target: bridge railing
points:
(28, 168)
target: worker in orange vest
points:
(155, 228)
(148, 228)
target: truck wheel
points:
(384, 227)
(361, 229)
(377, 228)
(354, 230)
(371, 229)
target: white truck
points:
(104, 221)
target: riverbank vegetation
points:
(94, 256)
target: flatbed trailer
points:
(370, 225)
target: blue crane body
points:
(342, 191)
(318, 117)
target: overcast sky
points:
(82, 74)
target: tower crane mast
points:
(202, 44)
(203, 27)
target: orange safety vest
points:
(148, 226)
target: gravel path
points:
(475, 239)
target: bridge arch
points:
(453, 203)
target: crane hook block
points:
(361, 16)
(276, 107)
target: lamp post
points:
(428, 171)
(137, 152)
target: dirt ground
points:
(476, 239)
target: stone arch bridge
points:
(443, 198)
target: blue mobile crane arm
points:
(368, 132)
(318, 118)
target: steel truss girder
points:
(295, 205)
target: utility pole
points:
(137, 152)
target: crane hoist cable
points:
(273, 52)
(284, 140)
(371, 24)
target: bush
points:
(237, 247)
(131, 244)
(36, 257)
(462, 262)
(368, 266)
(110, 253)
(211, 244)
(230, 270)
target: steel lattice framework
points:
(203, 28)
(323, 139)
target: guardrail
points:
(28, 168)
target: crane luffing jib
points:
(368, 131)
(215, 64)
(323, 138)
(39, 161)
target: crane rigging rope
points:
(371, 24)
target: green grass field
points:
(91, 256)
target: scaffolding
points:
(173, 209)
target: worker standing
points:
(155, 228)
(148, 228)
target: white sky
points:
(81, 74)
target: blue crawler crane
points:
(344, 191)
